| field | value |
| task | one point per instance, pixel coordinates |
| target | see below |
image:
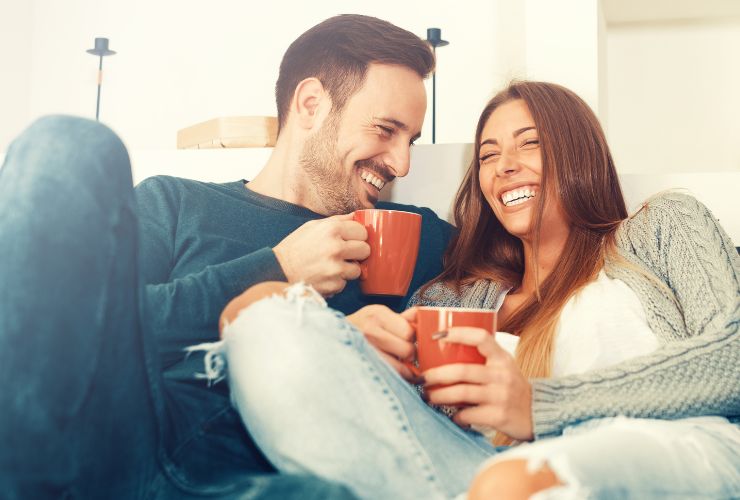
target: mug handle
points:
(415, 371)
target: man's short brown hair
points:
(338, 52)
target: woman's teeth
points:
(372, 179)
(517, 196)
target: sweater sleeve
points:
(186, 310)
(679, 240)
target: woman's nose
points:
(507, 165)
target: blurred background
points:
(662, 75)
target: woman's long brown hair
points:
(578, 169)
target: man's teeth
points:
(517, 196)
(372, 179)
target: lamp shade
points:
(434, 37)
(101, 48)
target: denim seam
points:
(395, 406)
(173, 470)
(490, 451)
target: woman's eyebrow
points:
(521, 131)
(517, 132)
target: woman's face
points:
(510, 172)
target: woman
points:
(628, 334)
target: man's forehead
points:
(393, 93)
(388, 77)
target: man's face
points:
(367, 144)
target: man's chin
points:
(371, 202)
(367, 201)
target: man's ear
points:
(311, 103)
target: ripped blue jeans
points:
(318, 398)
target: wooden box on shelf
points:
(230, 132)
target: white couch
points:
(435, 175)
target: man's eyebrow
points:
(399, 124)
(517, 132)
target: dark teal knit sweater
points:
(201, 244)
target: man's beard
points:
(323, 166)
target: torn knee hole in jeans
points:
(559, 464)
(214, 359)
(569, 487)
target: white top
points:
(601, 325)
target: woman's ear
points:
(311, 103)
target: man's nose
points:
(400, 160)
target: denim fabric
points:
(85, 410)
(317, 398)
(623, 458)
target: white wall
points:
(562, 45)
(557, 41)
(181, 62)
(674, 97)
(672, 101)
(16, 26)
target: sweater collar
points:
(275, 203)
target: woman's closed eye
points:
(490, 155)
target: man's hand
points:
(390, 333)
(324, 253)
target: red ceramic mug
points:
(431, 352)
(393, 237)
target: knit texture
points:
(201, 244)
(696, 317)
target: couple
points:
(627, 327)
(101, 290)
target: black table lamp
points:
(101, 50)
(434, 37)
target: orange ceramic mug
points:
(431, 352)
(393, 237)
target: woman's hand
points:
(495, 394)
(391, 334)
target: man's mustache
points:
(378, 169)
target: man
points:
(100, 400)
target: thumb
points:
(348, 216)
